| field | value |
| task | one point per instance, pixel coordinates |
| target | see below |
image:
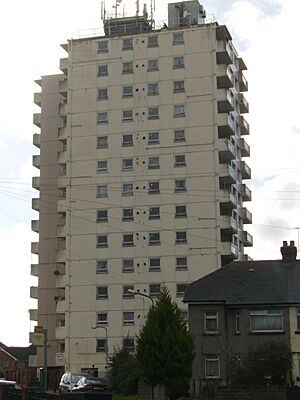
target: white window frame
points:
(179, 139)
(104, 321)
(211, 316)
(179, 111)
(102, 94)
(127, 67)
(179, 291)
(154, 40)
(181, 266)
(153, 140)
(102, 267)
(179, 160)
(181, 214)
(127, 243)
(154, 216)
(151, 191)
(127, 115)
(127, 44)
(127, 217)
(153, 89)
(178, 87)
(102, 70)
(179, 187)
(178, 38)
(153, 113)
(153, 162)
(103, 145)
(127, 164)
(266, 314)
(128, 268)
(126, 143)
(102, 218)
(105, 48)
(102, 244)
(103, 295)
(124, 91)
(126, 294)
(150, 67)
(127, 192)
(128, 318)
(99, 348)
(104, 194)
(102, 166)
(154, 267)
(102, 118)
(153, 241)
(155, 293)
(177, 64)
(209, 358)
(182, 240)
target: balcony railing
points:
(244, 126)
(36, 161)
(243, 103)
(229, 203)
(63, 88)
(37, 98)
(227, 174)
(244, 147)
(35, 204)
(245, 170)
(225, 81)
(246, 215)
(245, 192)
(226, 128)
(33, 316)
(225, 56)
(227, 104)
(34, 269)
(227, 151)
(247, 239)
(37, 119)
(228, 225)
(36, 182)
(36, 140)
(35, 248)
(63, 65)
(243, 83)
(241, 64)
(33, 292)
(35, 225)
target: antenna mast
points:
(137, 7)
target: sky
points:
(265, 35)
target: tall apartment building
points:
(141, 177)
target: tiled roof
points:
(20, 353)
(249, 282)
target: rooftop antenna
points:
(103, 11)
(116, 7)
(137, 7)
(152, 8)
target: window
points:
(153, 113)
(154, 238)
(211, 322)
(127, 214)
(266, 320)
(102, 166)
(178, 38)
(180, 289)
(61, 347)
(127, 291)
(128, 344)
(127, 67)
(152, 65)
(298, 319)
(153, 89)
(102, 216)
(102, 142)
(153, 41)
(127, 189)
(127, 115)
(128, 318)
(180, 211)
(179, 111)
(63, 169)
(154, 264)
(102, 241)
(154, 289)
(178, 62)
(178, 87)
(179, 135)
(153, 187)
(102, 191)
(179, 160)
(154, 213)
(180, 237)
(102, 118)
(180, 185)
(103, 46)
(127, 44)
(127, 164)
(184, 316)
(153, 162)
(102, 94)
(237, 322)
(101, 318)
(153, 138)
(102, 292)
(127, 91)
(128, 265)
(212, 366)
(61, 322)
(127, 140)
(62, 193)
(102, 267)
(181, 263)
(103, 70)
(128, 239)
(101, 345)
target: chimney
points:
(289, 253)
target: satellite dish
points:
(186, 14)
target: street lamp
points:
(106, 343)
(136, 293)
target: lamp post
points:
(135, 293)
(106, 343)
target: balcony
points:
(36, 140)
(244, 147)
(226, 127)
(243, 83)
(36, 182)
(227, 104)
(247, 239)
(225, 56)
(37, 98)
(36, 161)
(35, 248)
(245, 170)
(244, 126)
(227, 175)
(229, 253)
(245, 192)
(63, 65)
(241, 64)
(35, 225)
(37, 119)
(62, 205)
(60, 359)
(246, 215)
(243, 103)
(34, 270)
(245, 257)
(33, 315)
(33, 292)
(63, 88)
(226, 151)
(222, 33)
(63, 110)
(228, 203)
(60, 332)
(228, 226)
(61, 230)
(225, 81)
(35, 204)
(61, 256)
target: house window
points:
(102, 70)
(102, 215)
(61, 347)
(128, 318)
(179, 111)
(179, 160)
(153, 187)
(127, 44)
(101, 318)
(152, 65)
(180, 289)
(212, 366)
(102, 241)
(102, 142)
(102, 118)
(266, 320)
(180, 237)
(127, 292)
(154, 264)
(178, 38)
(102, 267)
(154, 238)
(153, 41)
(184, 316)
(153, 89)
(179, 135)
(127, 189)
(180, 211)
(102, 94)
(101, 345)
(153, 162)
(102, 166)
(211, 321)
(180, 185)
(102, 191)
(127, 116)
(127, 68)
(128, 344)
(103, 46)
(102, 292)
(237, 322)
(127, 164)
(128, 240)
(154, 213)
(127, 214)
(178, 87)
(128, 265)
(153, 138)
(298, 319)
(153, 113)
(178, 62)
(127, 140)
(154, 289)
(181, 263)
(127, 91)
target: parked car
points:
(96, 387)
(68, 381)
(12, 384)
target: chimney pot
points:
(289, 253)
